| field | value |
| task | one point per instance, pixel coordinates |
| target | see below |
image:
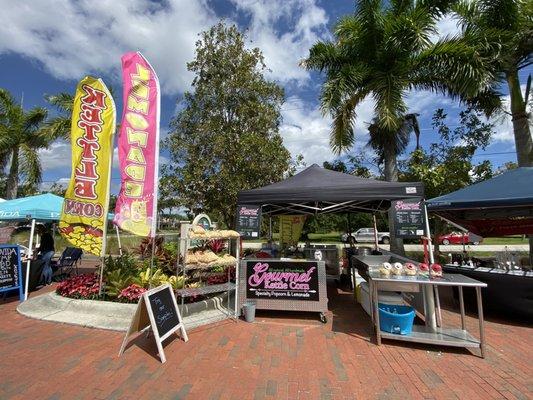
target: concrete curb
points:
(110, 315)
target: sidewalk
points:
(281, 356)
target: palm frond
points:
(389, 103)
(34, 118)
(452, 66)
(63, 101)
(322, 56)
(57, 128)
(30, 165)
(342, 135)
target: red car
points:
(460, 238)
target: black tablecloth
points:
(36, 269)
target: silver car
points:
(365, 235)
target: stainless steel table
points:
(427, 334)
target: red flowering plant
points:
(132, 293)
(218, 278)
(216, 245)
(84, 286)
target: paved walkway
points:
(280, 356)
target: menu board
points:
(164, 311)
(249, 221)
(10, 276)
(157, 309)
(282, 280)
(408, 218)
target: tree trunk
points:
(521, 129)
(391, 175)
(13, 177)
(522, 133)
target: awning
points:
(499, 206)
(43, 207)
(318, 190)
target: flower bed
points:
(127, 277)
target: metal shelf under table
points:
(443, 337)
(427, 334)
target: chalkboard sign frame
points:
(409, 230)
(160, 299)
(20, 285)
(247, 232)
(144, 318)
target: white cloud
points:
(447, 27)
(63, 182)
(73, 39)
(57, 156)
(306, 131)
(283, 50)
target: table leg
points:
(437, 299)
(481, 322)
(429, 307)
(462, 307)
(376, 313)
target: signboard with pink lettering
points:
(248, 222)
(282, 280)
(138, 147)
(408, 218)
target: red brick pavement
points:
(279, 357)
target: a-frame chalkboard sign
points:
(157, 309)
(10, 270)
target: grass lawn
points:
(506, 240)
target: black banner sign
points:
(10, 274)
(282, 280)
(408, 218)
(164, 312)
(249, 221)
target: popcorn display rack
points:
(189, 241)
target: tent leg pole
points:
(429, 296)
(270, 227)
(375, 232)
(102, 260)
(28, 263)
(118, 240)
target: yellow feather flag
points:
(83, 220)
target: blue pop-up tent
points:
(499, 206)
(43, 207)
(40, 208)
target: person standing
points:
(45, 252)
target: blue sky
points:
(47, 46)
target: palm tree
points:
(21, 137)
(385, 51)
(506, 26)
(389, 147)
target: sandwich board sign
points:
(10, 270)
(157, 309)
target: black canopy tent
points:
(316, 190)
(499, 206)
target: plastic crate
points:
(396, 319)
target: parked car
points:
(460, 238)
(365, 235)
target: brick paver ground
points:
(279, 357)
